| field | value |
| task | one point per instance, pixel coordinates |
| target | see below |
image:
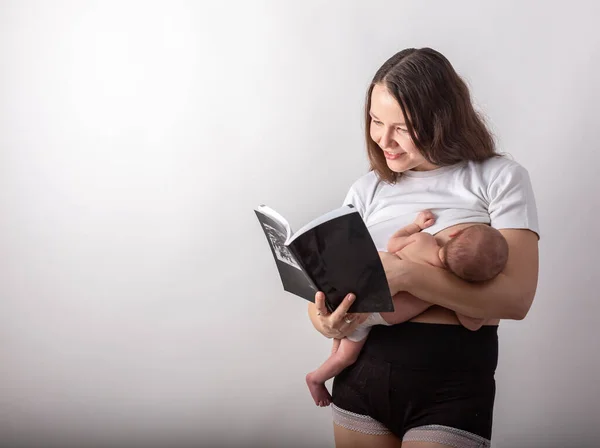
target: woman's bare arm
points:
(508, 296)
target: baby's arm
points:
(400, 239)
(406, 306)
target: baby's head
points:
(476, 254)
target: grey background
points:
(139, 302)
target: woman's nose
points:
(386, 140)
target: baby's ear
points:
(442, 255)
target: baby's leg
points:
(346, 354)
(471, 323)
(406, 306)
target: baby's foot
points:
(318, 391)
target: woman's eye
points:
(378, 123)
(401, 130)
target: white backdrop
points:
(139, 303)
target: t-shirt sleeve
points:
(353, 198)
(511, 200)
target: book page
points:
(345, 210)
(282, 224)
(277, 242)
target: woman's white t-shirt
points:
(497, 191)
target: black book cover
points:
(334, 254)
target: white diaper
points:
(363, 329)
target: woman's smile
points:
(392, 155)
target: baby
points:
(476, 253)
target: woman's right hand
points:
(338, 324)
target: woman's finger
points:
(341, 311)
(320, 304)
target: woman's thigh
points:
(346, 438)
(437, 436)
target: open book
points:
(333, 253)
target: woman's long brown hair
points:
(437, 107)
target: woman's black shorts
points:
(416, 375)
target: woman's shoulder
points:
(495, 165)
(498, 168)
(362, 191)
(366, 182)
(366, 186)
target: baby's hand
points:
(425, 219)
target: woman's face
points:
(388, 129)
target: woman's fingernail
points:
(351, 297)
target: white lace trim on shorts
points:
(358, 422)
(444, 435)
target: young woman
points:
(430, 382)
